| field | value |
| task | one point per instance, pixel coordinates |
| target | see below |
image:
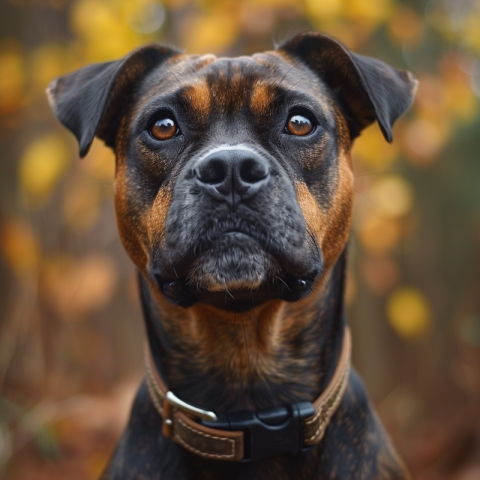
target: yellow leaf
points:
(461, 101)
(372, 150)
(96, 463)
(104, 32)
(42, 165)
(93, 17)
(324, 10)
(409, 313)
(12, 79)
(369, 13)
(19, 246)
(213, 33)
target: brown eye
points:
(164, 129)
(299, 125)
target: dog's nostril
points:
(212, 172)
(252, 171)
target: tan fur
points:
(158, 215)
(130, 227)
(261, 99)
(198, 96)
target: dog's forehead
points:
(254, 81)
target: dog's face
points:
(235, 178)
(233, 182)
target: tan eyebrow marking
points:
(261, 98)
(198, 95)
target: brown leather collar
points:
(181, 425)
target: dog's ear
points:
(368, 89)
(91, 100)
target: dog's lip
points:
(238, 237)
(234, 233)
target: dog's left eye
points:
(164, 128)
(298, 125)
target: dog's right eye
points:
(164, 128)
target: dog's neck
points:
(273, 356)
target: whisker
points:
(314, 240)
(279, 278)
(225, 284)
(290, 87)
(364, 196)
(171, 73)
(289, 70)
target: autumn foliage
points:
(70, 325)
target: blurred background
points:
(70, 324)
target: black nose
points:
(232, 174)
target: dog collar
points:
(248, 436)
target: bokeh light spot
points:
(392, 195)
(19, 246)
(405, 25)
(371, 149)
(379, 234)
(147, 16)
(42, 165)
(12, 80)
(409, 313)
(423, 141)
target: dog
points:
(233, 197)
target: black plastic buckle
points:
(268, 432)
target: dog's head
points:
(233, 180)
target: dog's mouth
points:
(235, 261)
(236, 269)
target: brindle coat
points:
(242, 292)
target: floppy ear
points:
(368, 89)
(91, 100)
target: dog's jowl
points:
(233, 196)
